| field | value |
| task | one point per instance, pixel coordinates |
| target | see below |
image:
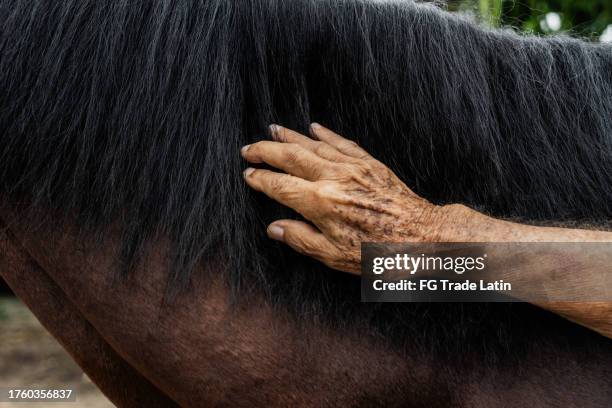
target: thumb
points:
(303, 238)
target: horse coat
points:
(120, 183)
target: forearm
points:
(560, 272)
(467, 225)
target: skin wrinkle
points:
(132, 113)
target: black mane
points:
(132, 113)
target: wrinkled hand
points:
(349, 196)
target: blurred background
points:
(29, 355)
(591, 19)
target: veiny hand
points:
(349, 196)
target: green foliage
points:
(587, 18)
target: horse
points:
(129, 233)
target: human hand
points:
(349, 196)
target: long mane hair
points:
(131, 114)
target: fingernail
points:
(276, 232)
(244, 149)
(247, 172)
(315, 125)
(273, 129)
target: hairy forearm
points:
(472, 226)
(560, 272)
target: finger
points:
(288, 190)
(303, 238)
(322, 149)
(289, 157)
(348, 147)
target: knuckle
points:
(320, 148)
(276, 184)
(341, 172)
(323, 190)
(292, 153)
(351, 145)
(325, 196)
(288, 191)
(314, 171)
(358, 172)
(256, 148)
(288, 196)
(314, 196)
